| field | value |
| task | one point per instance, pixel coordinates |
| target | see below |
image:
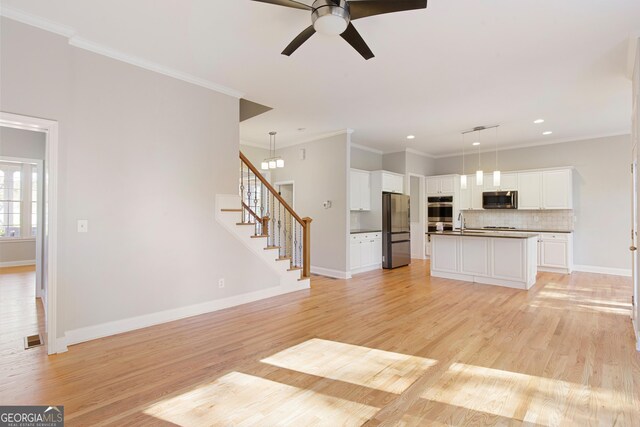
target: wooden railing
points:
(274, 219)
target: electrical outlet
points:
(221, 283)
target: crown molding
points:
(533, 144)
(298, 142)
(419, 153)
(365, 148)
(253, 144)
(82, 43)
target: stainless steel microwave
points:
(500, 200)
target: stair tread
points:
(304, 278)
(284, 258)
(231, 210)
(294, 268)
(271, 247)
(245, 223)
(259, 236)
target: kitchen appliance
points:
(500, 200)
(440, 209)
(396, 236)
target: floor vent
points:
(32, 341)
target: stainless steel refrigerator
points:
(396, 236)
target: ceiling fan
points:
(333, 17)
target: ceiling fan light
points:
(330, 25)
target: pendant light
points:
(479, 173)
(496, 172)
(272, 162)
(463, 177)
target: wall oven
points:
(500, 200)
(440, 209)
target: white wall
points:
(142, 157)
(23, 144)
(365, 160)
(602, 188)
(323, 175)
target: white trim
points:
(299, 142)
(50, 127)
(18, 240)
(18, 263)
(88, 333)
(636, 333)
(293, 190)
(36, 21)
(366, 268)
(336, 274)
(631, 52)
(253, 144)
(626, 272)
(365, 148)
(419, 153)
(534, 144)
(82, 43)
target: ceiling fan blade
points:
(353, 37)
(287, 3)
(363, 8)
(297, 42)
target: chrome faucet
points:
(463, 221)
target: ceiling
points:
(439, 71)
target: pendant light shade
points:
(463, 182)
(272, 164)
(496, 178)
(280, 163)
(479, 178)
(264, 165)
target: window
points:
(18, 200)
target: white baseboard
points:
(18, 263)
(337, 274)
(603, 270)
(636, 333)
(367, 268)
(88, 333)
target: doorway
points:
(42, 174)
(416, 194)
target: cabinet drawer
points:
(554, 236)
(355, 238)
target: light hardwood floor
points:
(385, 348)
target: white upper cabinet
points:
(360, 190)
(392, 183)
(557, 189)
(508, 182)
(530, 190)
(471, 198)
(441, 184)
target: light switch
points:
(83, 225)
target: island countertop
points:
(477, 233)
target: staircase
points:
(264, 222)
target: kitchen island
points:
(493, 258)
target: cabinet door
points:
(367, 249)
(365, 191)
(356, 257)
(447, 184)
(556, 189)
(508, 182)
(377, 251)
(464, 202)
(476, 194)
(433, 185)
(530, 190)
(355, 190)
(554, 254)
(397, 183)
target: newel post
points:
(306, 247)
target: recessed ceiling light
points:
(411, 137)
(547, 132)
(476, 143)
(538, 121)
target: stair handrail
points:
(305, 222)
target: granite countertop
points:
(477, 233)
(521, 230)
(364, 231)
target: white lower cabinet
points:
(365, 252)
(555, 252)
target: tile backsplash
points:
(561, 220)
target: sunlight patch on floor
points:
(242, 399)
(525, 397)
(382, 370)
